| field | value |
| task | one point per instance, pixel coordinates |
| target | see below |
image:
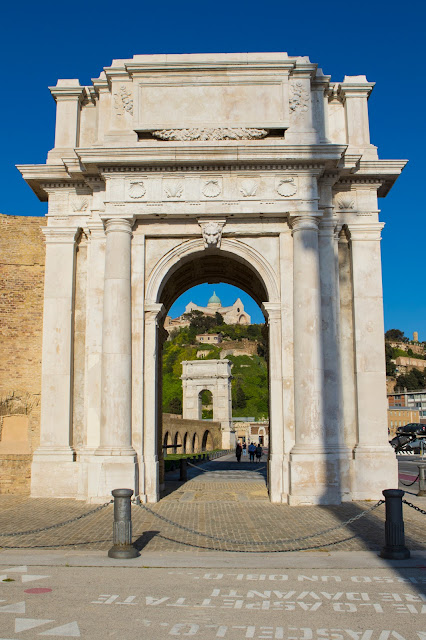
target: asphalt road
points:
(408, 472)
(230, 601)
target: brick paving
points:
(222, 499)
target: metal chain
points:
(56, 526)
(210, 470)
(256, 543)
(195, 466)
(413, 506)
(411, 483)
(315, 546)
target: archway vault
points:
(190, 264)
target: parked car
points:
(408, 437)
(413, 427)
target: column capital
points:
(272, 310)
(154, 311)
(68, 90)
(328, 225)
(123, 224)
(60, 235)
(320, 81)
(304, 222)
(95, 230)
(365, 232)
(355, 87)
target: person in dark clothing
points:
(238, 451)
(258, 452)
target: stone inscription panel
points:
(198, 103)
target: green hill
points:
(250, 373)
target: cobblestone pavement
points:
(226, 501)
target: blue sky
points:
(41, 42)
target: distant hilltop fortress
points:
(234, 314)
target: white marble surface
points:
(278, 155)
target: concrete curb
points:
(274, 561)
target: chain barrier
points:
(195, 466)
(413, 506)
(210, 470)
(411, 483)
(257, 543)
(56, 526)
(268, 551)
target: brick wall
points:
(21, 316)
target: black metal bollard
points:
(422, 479)
(122, 528)
(394, 548)
(183, 468)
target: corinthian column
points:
(53, 469)
(375, 466)
(115, 452)
(338, 454)
(152, 403)
(308, 468)
(278, 484)
(116, 402)
(307, 335)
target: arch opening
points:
(205, 405)
(218, 268)
(213, 267)
(207, 441)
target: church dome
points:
(214, 301)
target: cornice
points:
(382, 173)
(76, 92)
(42, 176)
(355, 87)
(239, 62)
(252, 152)
(304, 69)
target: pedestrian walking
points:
(244, 449)
(258, 452)
(238, 451)
(252, 451)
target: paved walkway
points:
(225, 501)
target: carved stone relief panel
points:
(242, 133)
(212, 233)
(123, 100)
(299, 100)
(286, 186)
(137, 190)
(249, 187)
(345, 201)
(173, 189)
(211, 187)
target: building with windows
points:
(411, 400)
(400, 416)
(209, 338)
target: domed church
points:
(234, 314)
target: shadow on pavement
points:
(144, 539)
(225, 469)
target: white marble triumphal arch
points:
(251, 169)
(213, 376)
